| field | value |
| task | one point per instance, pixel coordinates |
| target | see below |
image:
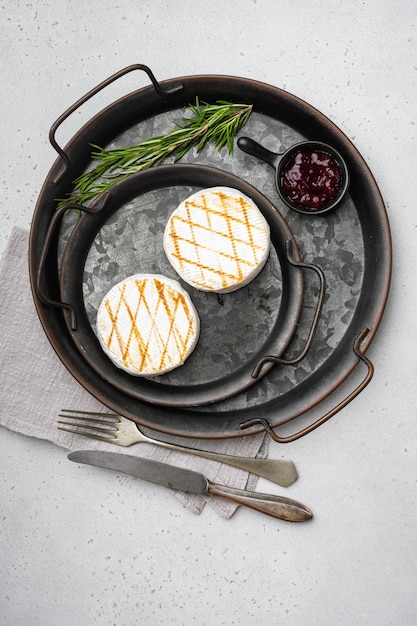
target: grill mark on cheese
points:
(124, 348)
(208, 211)
(233, 242)
(188, 207)
(153, 334)
(171, 301)
(143, 346)
(181, 344)
(253, 246)
(114, 319)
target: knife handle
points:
(276, 506)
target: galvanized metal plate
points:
(237, 329)
(352, 246)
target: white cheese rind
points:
(147, 325)
(217, 240)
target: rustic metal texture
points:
(351, 245)
(237, 329)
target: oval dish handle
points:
(322, 280)
(64, 156)
(56, 218)
(369, 374)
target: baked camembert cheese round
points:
(147, 324)
(217, 240)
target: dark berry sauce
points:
(311, 179)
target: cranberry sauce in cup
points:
(311, 177)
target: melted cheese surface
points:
(217, 240)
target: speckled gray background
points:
(83, 546)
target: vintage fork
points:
(116, 429)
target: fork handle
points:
(278, 471)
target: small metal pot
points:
(280, 161)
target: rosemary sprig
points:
(219, 123)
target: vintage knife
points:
(193, 482)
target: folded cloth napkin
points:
(35, 386)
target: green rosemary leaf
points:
(219, 122)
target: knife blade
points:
(193, 482)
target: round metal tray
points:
(235, 331)
(352, 247)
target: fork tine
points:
(102, 426)
(90, 435)
(88, 422)
(99, 426)
(112, 417)
(88, 425)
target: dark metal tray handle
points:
(56, 218)
(369, 374)
(322, 287)
(64, 156)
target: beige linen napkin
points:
(35, 386)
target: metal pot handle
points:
(369, 374)
(90, 94)
(322, 286)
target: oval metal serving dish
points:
(352, 246)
